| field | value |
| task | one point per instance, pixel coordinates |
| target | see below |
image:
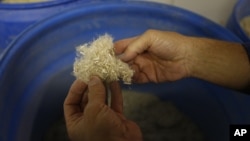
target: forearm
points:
(220, 62)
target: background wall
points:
(216, 10)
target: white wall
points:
(216, 10)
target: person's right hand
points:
(156, 56)
(89, 118)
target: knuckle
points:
(150, 31)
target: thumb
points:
(97, 92)
(136, 47)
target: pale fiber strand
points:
(98, 58)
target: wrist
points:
(191, 56)
(219, 62)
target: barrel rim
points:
(35, 5)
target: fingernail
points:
(93, 81)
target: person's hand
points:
(88, 118)
(156, 56)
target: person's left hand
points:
(88, 118)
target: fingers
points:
(74, 98)
(139, 76)
(121, 45)
(97, 91)
(84, 100)
(131, 47)
(116, 97)
(97, 94)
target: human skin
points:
(89, 118)
(159, 56)
(156, 56)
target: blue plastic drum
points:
(15, 17)
(241, 10)
(36, 68)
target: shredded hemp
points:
(98, 58)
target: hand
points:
(156, 56)
(88, 118)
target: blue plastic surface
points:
(35, 69)
(14, 18)
(241, 10)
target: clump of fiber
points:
(98, 58)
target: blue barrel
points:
(240, 11)
(36, 68)
(15, 17)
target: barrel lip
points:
(35, 5)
